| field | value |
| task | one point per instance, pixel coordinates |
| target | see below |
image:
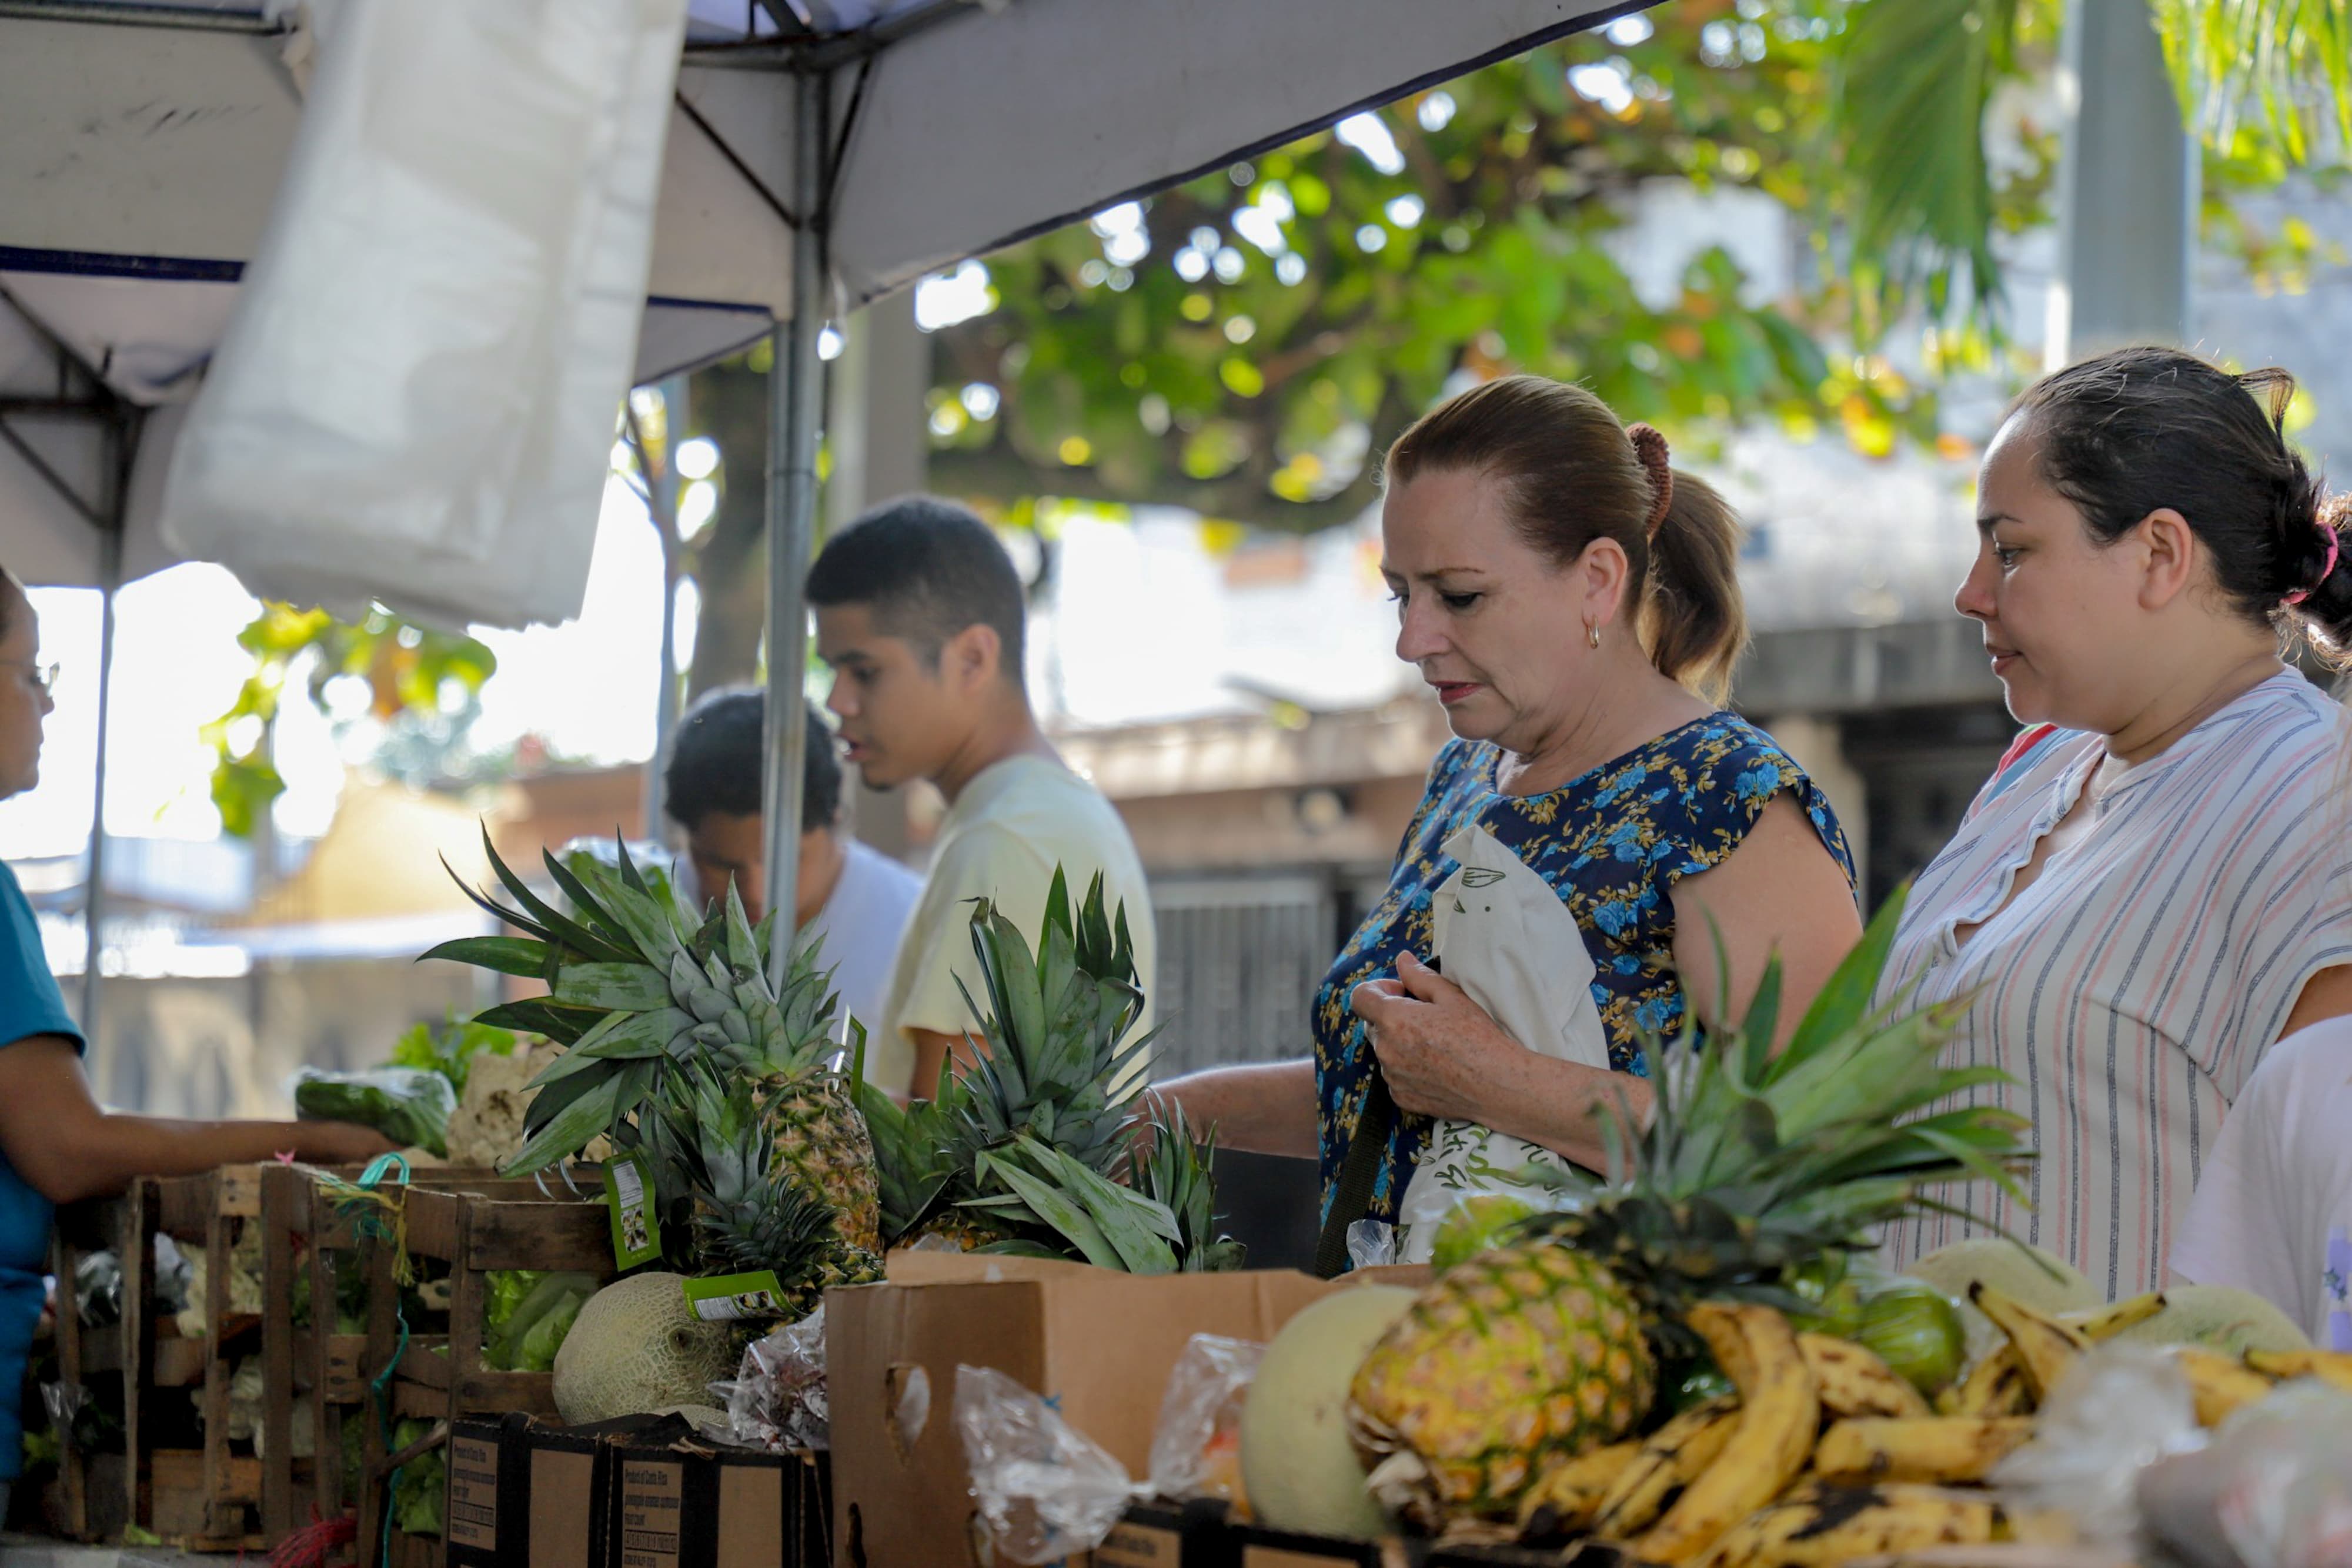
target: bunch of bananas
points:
(1824, 1454)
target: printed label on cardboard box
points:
(1283, 1557)
(652, 1494)
(1133, 1546)
(473, 1507)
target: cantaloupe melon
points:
(2217, 1317)
(637, 1348)
(1298, 1464)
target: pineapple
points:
(1754, 1166)
(639, 993)
(1027, 1152)
(749, 1211)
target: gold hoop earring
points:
(1593, 633)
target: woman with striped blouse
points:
(2153, 887)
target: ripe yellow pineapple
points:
(1754, 1165)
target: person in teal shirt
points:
(55, 1144)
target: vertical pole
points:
(2127, 188)
(110, 581)
(795, 409)
(662, 492)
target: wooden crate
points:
(483, 1228)
(317, 1366)
(207, 1498)
(90, 1500)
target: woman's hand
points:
(1441, 1052)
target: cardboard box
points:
(1256, 1546)
(1100, 1343)
(1170, 1535)
(680, 1503)
(527, 1493)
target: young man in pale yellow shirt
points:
(920, 616)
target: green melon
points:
(1299, 1467)
(636, 1348)
(2217, 1317)
(2026, 1273)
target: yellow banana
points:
(1667, 1461)
(1855, 1382)
(2333, 1367)
(1995, 1387)
(2220, 1384)
(1565, 1499)
(2045, 1347)
(1779, 1414)
(2105, 1322)
(1938, 1448)
(1821, 1524)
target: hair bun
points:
(1650, 446)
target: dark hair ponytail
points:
(2139, 430)
(1576, 474)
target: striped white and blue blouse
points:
(2133, 987)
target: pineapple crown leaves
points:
(639, 987)
(1176, 1171)
(1755, 1161)
(1038, 1187)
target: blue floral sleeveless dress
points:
(1612, 844)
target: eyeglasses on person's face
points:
(45, 676)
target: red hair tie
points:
(1650, 446)
(2325, 568)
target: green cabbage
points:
(408, 1105)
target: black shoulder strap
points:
(1359, 1168)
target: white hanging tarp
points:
(441, 316)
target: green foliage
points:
(1263, 392)
(409, 1105)
(2280, 68)
(411, 672)
(420, 1486)
(450, 1049)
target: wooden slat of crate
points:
(93, 1495)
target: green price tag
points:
(629, 1198)
(724, 1298)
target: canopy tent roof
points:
(140, 147)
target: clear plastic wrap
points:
(98, 1290)
(777, 1401)
(2272, 1489)
(1196, 1448)
(1372, 1244)
(2120, 1408)
(1045, 1490)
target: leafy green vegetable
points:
(421, 1486)
(450, 1049)
(408, 1105)
(527, 1315)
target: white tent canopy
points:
(141, 145)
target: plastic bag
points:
(98, 1290)
(410, 1105)
(2271, 1490)
(1045, 1490)
(441, 318)
(777, 1401)
(1372, 1244)
(175, 1276)
(1196, 1448)
(2118, 1408)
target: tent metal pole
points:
(110, 581)
(795, 408)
